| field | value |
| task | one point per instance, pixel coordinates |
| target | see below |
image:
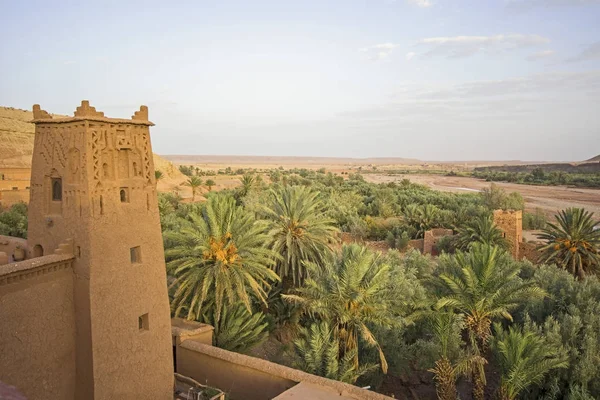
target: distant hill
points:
(16, 142)
(594, 159)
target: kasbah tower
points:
(93, 181)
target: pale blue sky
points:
(428, 79)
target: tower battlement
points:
(87, 112)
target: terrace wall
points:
(37, 327)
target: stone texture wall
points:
(511, 224)
(37, 327)
(431, 237)
(530, 252)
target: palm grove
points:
(266, 260)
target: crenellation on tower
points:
(85, 110)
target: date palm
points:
(210, 183)
(300, 230)
(524, 359)
(194, 183)
(317, 351)
(452, 363)
(237, 329)
(248, 182)
(483, 285)
(573, 242)
(480, 230)
(421, 217)
(219, 255)
(350, 292)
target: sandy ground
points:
(548, 198)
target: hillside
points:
(594, 159)
(16, 144)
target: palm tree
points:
(573, 242)
(481, 230)
(158, 175)
(450, 366)
(248, 182)
(300, 230)
(483, 286)
(317, 351)
(220, 255)
(237, 330)
(421, 217)
(193, 182)
(350, 291)
(210, 183)
(524, 359)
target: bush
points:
(534, 221)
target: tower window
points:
(135, 254)
(56, 189)
(143, 323)
(124, 195)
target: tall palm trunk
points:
(445, 379)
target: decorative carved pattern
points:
(96, 167)
(124, 139)
(147, 158)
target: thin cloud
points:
(541, 55)
(465, 46)
(592, 52)
(379, 51)
(410, 55)
(524, 5)
(421, 3)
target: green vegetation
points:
(209, 184)
(573, 242)
(265, 259)
(13, 221)
(194, 183)
(218, 254)
(299, 229)
(587, 175)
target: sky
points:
(427, 79)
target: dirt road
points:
(547, 198)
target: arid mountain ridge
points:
(16, 146)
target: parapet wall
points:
(8, 245)
(37, 328)
(250, 378)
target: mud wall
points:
(37, 329)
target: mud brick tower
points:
(93, 181)
(511, 224)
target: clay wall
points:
(7, 173)
(431, 237)
(8, 244)
(530, 252)
(250, 378)
(416, 244)
(37, 328)
(511, 224)
(10, 197)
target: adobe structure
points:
(84, 309)
(86, 316)
(510, 223)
